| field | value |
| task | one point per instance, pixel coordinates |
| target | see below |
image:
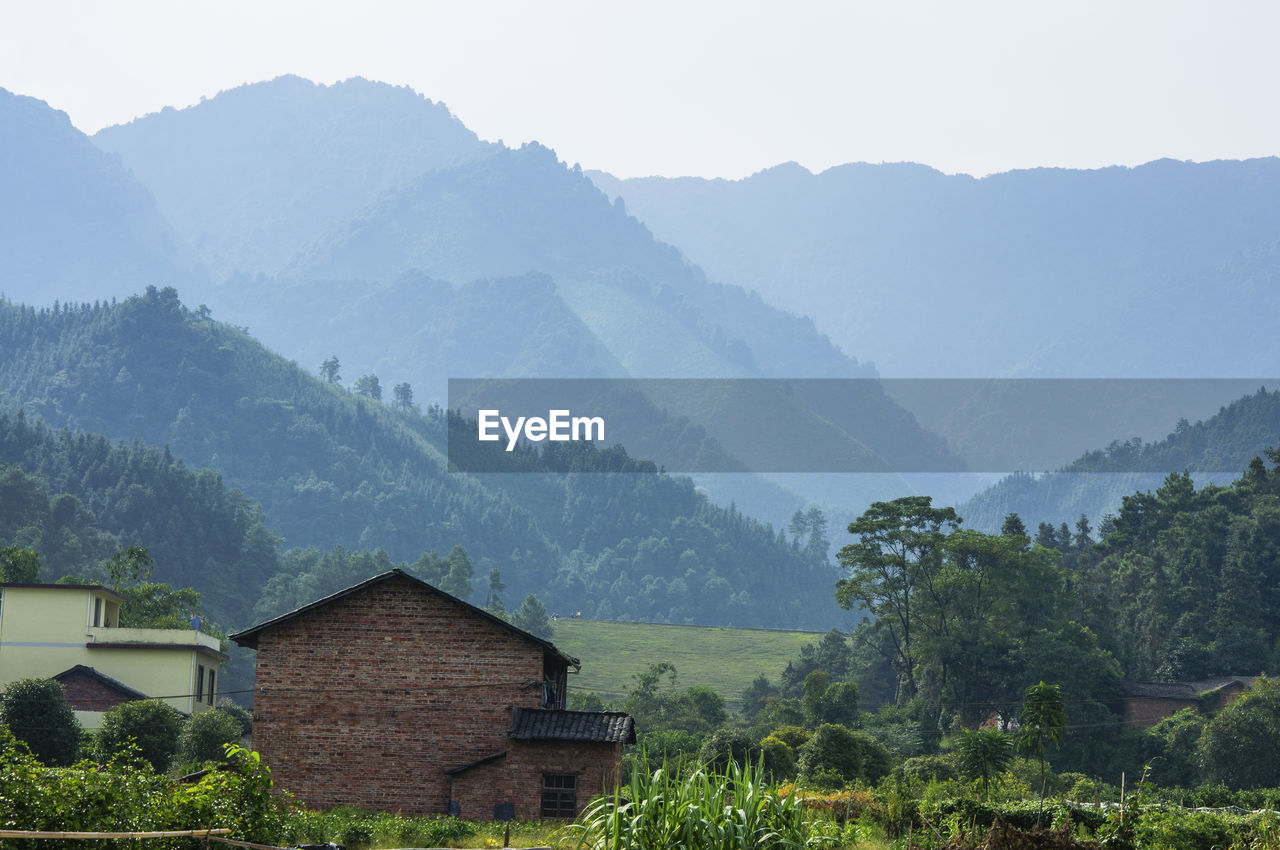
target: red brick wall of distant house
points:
(517, 779)
(1141, 712)
(367, 700)
(86, 693)
(1227, 695)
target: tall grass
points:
(706, 808)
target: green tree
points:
(18, 565)
(825, 701)
(1238, 746)
(532, 617)
(983, 755)
(836, 755)
(457, 581)
(1043, 721)
(329, 370)
(150, 723)
(493, 599)
(1013, 526)
(755, 695)
(402, 396)
(204, 736)
(36, 711)
(899, 545)
(369, 387)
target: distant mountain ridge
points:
(251, 176)
(1095, 483)
(1116, 272)
(74, 223)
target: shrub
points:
(204, 736)
(940, 768)
(725, 745)
(778, 759)
(151, 723)
(794, 737)
(36, 711)
(848, 755)
(242, 715)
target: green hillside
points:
(331, 468)
(721, 658)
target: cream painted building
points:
(72, 632)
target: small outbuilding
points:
(394, 695)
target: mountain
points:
(1117, 272)
(333, 469)
(252, 176)
(74, 223)
(1213, 450)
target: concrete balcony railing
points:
(167, 637)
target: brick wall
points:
(367, 700)
(1144, 712)
(517, 779)
(86, 693)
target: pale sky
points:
(715, 89)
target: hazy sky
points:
(711, 88)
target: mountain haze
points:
(1117, 272)
(74, 223)
(253, 175)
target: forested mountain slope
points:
(1095, 483)
(74, 223)
(330, 468)
(1047, 272)
(75, 498)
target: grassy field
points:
(723, 659)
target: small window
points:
(212, 682)
(199, 683)
(97, 611)
(559, 795)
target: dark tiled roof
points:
(81, 671)
(1159, 690)
(550, 724)
(1206, 685)
(249, 637)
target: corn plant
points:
(731, 808)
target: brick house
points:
(1147, 703)
(393, 695)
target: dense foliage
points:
(331, 469)
(128, 795)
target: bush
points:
(840, 752)
(242, 715)
(204, 736)
(151, 723)
(778, 759)
(727, 745)
(941, 768)
(36, 711)
(129, 795)
(794, 737)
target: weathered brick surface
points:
(1148, 711)
(367, 700)
(86, 693)
(517, 779)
